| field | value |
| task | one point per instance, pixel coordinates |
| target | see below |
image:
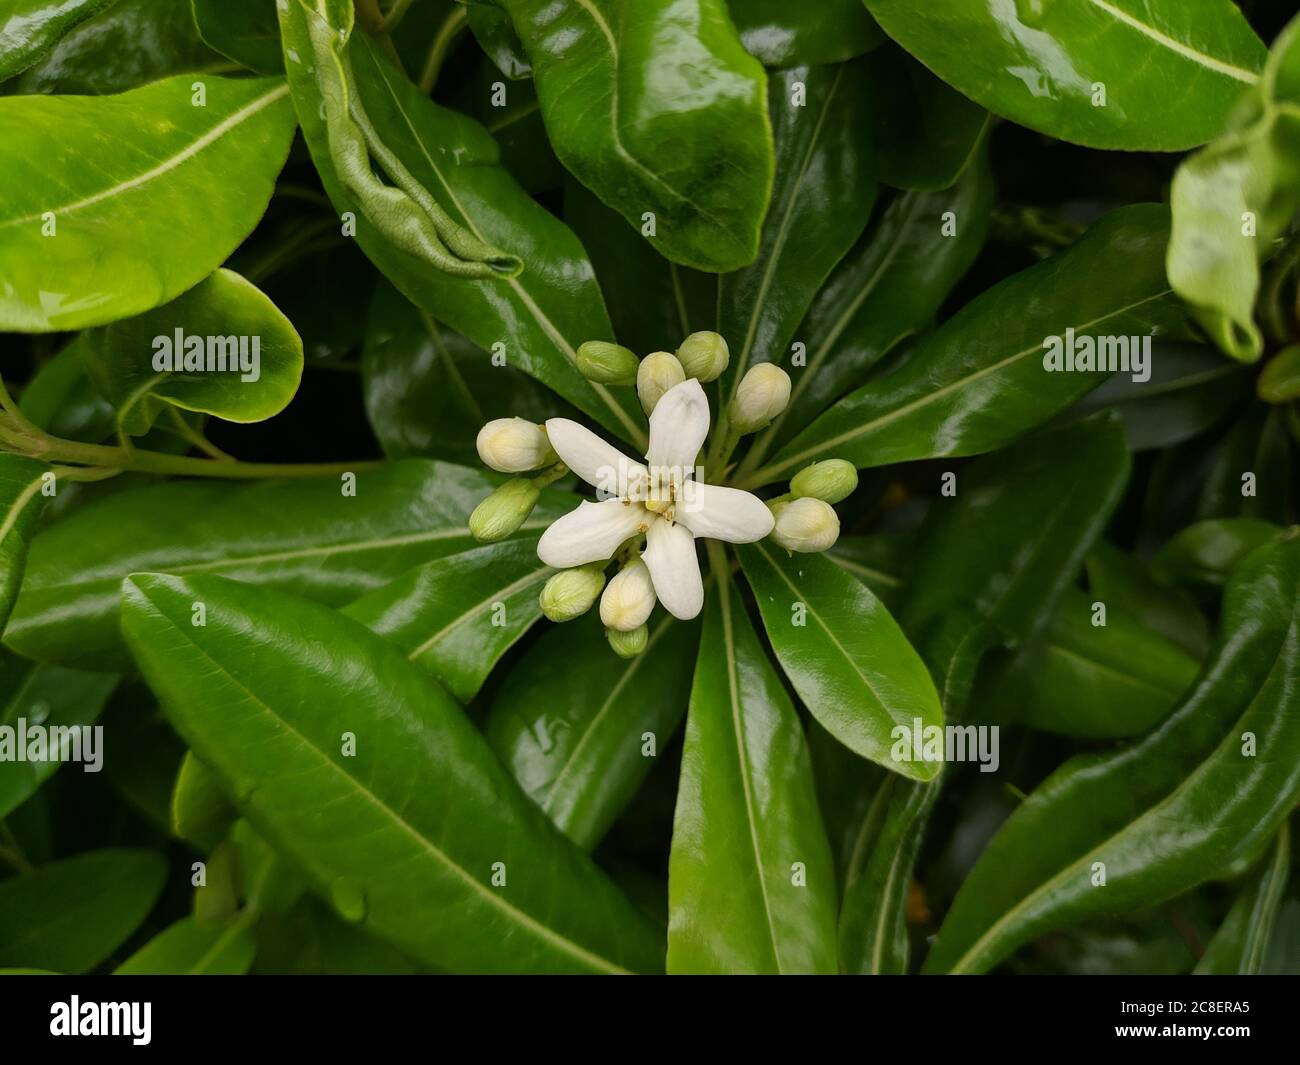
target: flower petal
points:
(599, 464)
(678, 426)
(721, 513)
(674, 569)
(590, 533)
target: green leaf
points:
(1043, 63)
(1160, 816)
(516, 125)
(223, 348)
(535, 320)
(246, 31)
(822, 198)
(1203, 555)
(310, 939)
(419, 813)
(188, 948)
(1233, 199)
(980, 380)
(657, 108)
(1033, 536)
(1242, 942)
(844, 653)
(1126, 584)
(571, 719)
(429, 390)
(21, 503)
(128, 44)
(32, 27)
(496, 35)
(51, 697)
(751, 882)
(305, 536)
(200, 811)
(455, 617)
(61, 399)
(782, 34)
(71, 915)
(875, 560)
(1085, 680)
(121, 232)
(889, 286)
(927, 134)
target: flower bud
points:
(830, 481)
(628, 644)
(806, 525)
(761, 395)
(657, 373)
(704, 356)
(514, 445)
(606, 364)
(628, 598)
(504, 510)
(572, 592)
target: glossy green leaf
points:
(189, 948)
(23, 486)
(1160, 816)
(1241, 945)
(62, 400)
(1203, 555)
(243, 30)
(129, 43)
(926, 132)
(71, 915)
(825, 186)
(1085, 680)
(877, 561)
(305, 536)
(1252, 472)
(1127, 584)
(51, 697)
(980, 380)
(200, 812)
(264, 693)
(32, 27)
(535, 320)
(572, 718)
(1233, 199)
(844, 653)
(222, 348)
(455, 617)
(515, 123)
(1095, 72)
(1034, 536)
(496, 35)
(429, 390)
(889, 286)
(783, 34)
(751, 882)
(92, 233)
(657, 108)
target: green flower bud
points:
(805, 525)
(830, 481)
(1280, 381)
(657, 373)
(514, 445)
(572, 592)
(761, 395)
(628, 644)
(606, 364)
(704, 356)
(504, 510)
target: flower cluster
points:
(649, 514)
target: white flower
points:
(512, 445)
(661, 499)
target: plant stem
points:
(372, 21)
(395, 15)
(442, 42)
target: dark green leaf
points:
(1203, 555)
(32, 27)
(783, 34)
(1240, 946)
(243, 30)
(1126, 584)
(189, 948)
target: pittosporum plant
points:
(615, 485)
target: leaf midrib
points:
(1209, 62)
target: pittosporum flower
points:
(664, 500)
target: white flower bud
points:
(628, 598)
(572, 592)
(831, 481)
(657, 373)
(704, 356)
(605, 363)
(806, 525)
(501, 513)
(762, 394)
(628, 644)
(514, 445)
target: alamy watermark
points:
(180, 353)
(1104, 354)
(33, 742)
(919, 742)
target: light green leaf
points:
(188, 948)
(200, 812)
(21, 502)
